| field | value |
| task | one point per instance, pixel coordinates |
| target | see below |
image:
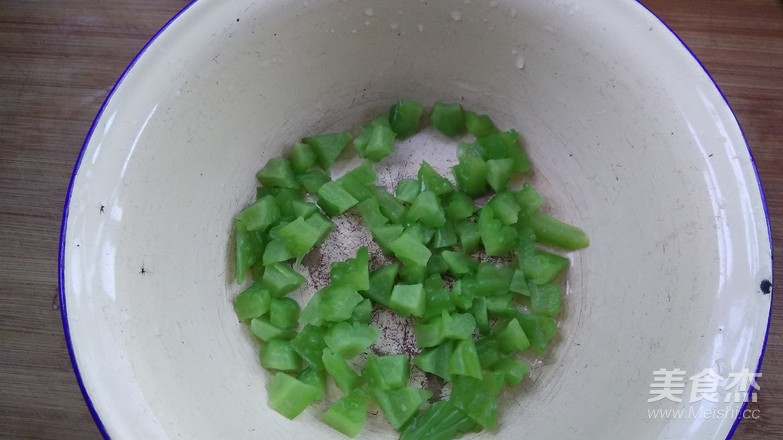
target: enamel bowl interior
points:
(629, 137)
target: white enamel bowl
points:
(629, 137)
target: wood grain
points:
(58, 61)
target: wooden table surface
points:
(58, 61)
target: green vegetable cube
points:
(410, 251)
(277, 173)
(519, 283)
(539, 329)
(432, 181)
(322, 224)
(252, 302)
(349, 340)
(265, 330)
(514, 370)
(408, 189)
(480, 313)
(499, 145)
(464, 359)
(408, 300)
(284, 313)
(429, 334)
(493, 279)
(280, 279)
(529, 199)
(440, 421)
(512, 338)
(505, 208)
(436, 265)
(400, 405)
(344, 376)
(405, 117)
(334, 199)
(540, 267)
(315, 378)
(364, 174)
(279, 354)
(448, 118)
(471, 175)
(260, 215)
(387, 372)
(312, 180)
(385, 235)
(327, 147)
(263, 191)
(469, 236)
(552, 231)
(469, 150)
(355, 187)
(380, 143)
(311, 314)
(501, 306)
(381, 284)
(459, 264)
(458, 206)
(303, 209)
(362, 313)
(498, 239)
(412, 274)
(390, 207)
(426, 208)
(463, 292)
(333, 303)
(545, 299)
(276, 251)
(479, 125)
(488, 351)
(420, 232)
(370, 211)
(249, 249)
(309, 344)
(437, 297)
(504, 145)
(348, 413)
(477, 397)
(289, 396)
(284, 199)
(359, 181)
(458, 325)
(302, 157)
(499, 172)
(366, 132)
(353, 272)
(435, 360)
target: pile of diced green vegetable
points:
(472, 317)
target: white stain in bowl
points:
(520, 61)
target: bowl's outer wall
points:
(629, 138)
